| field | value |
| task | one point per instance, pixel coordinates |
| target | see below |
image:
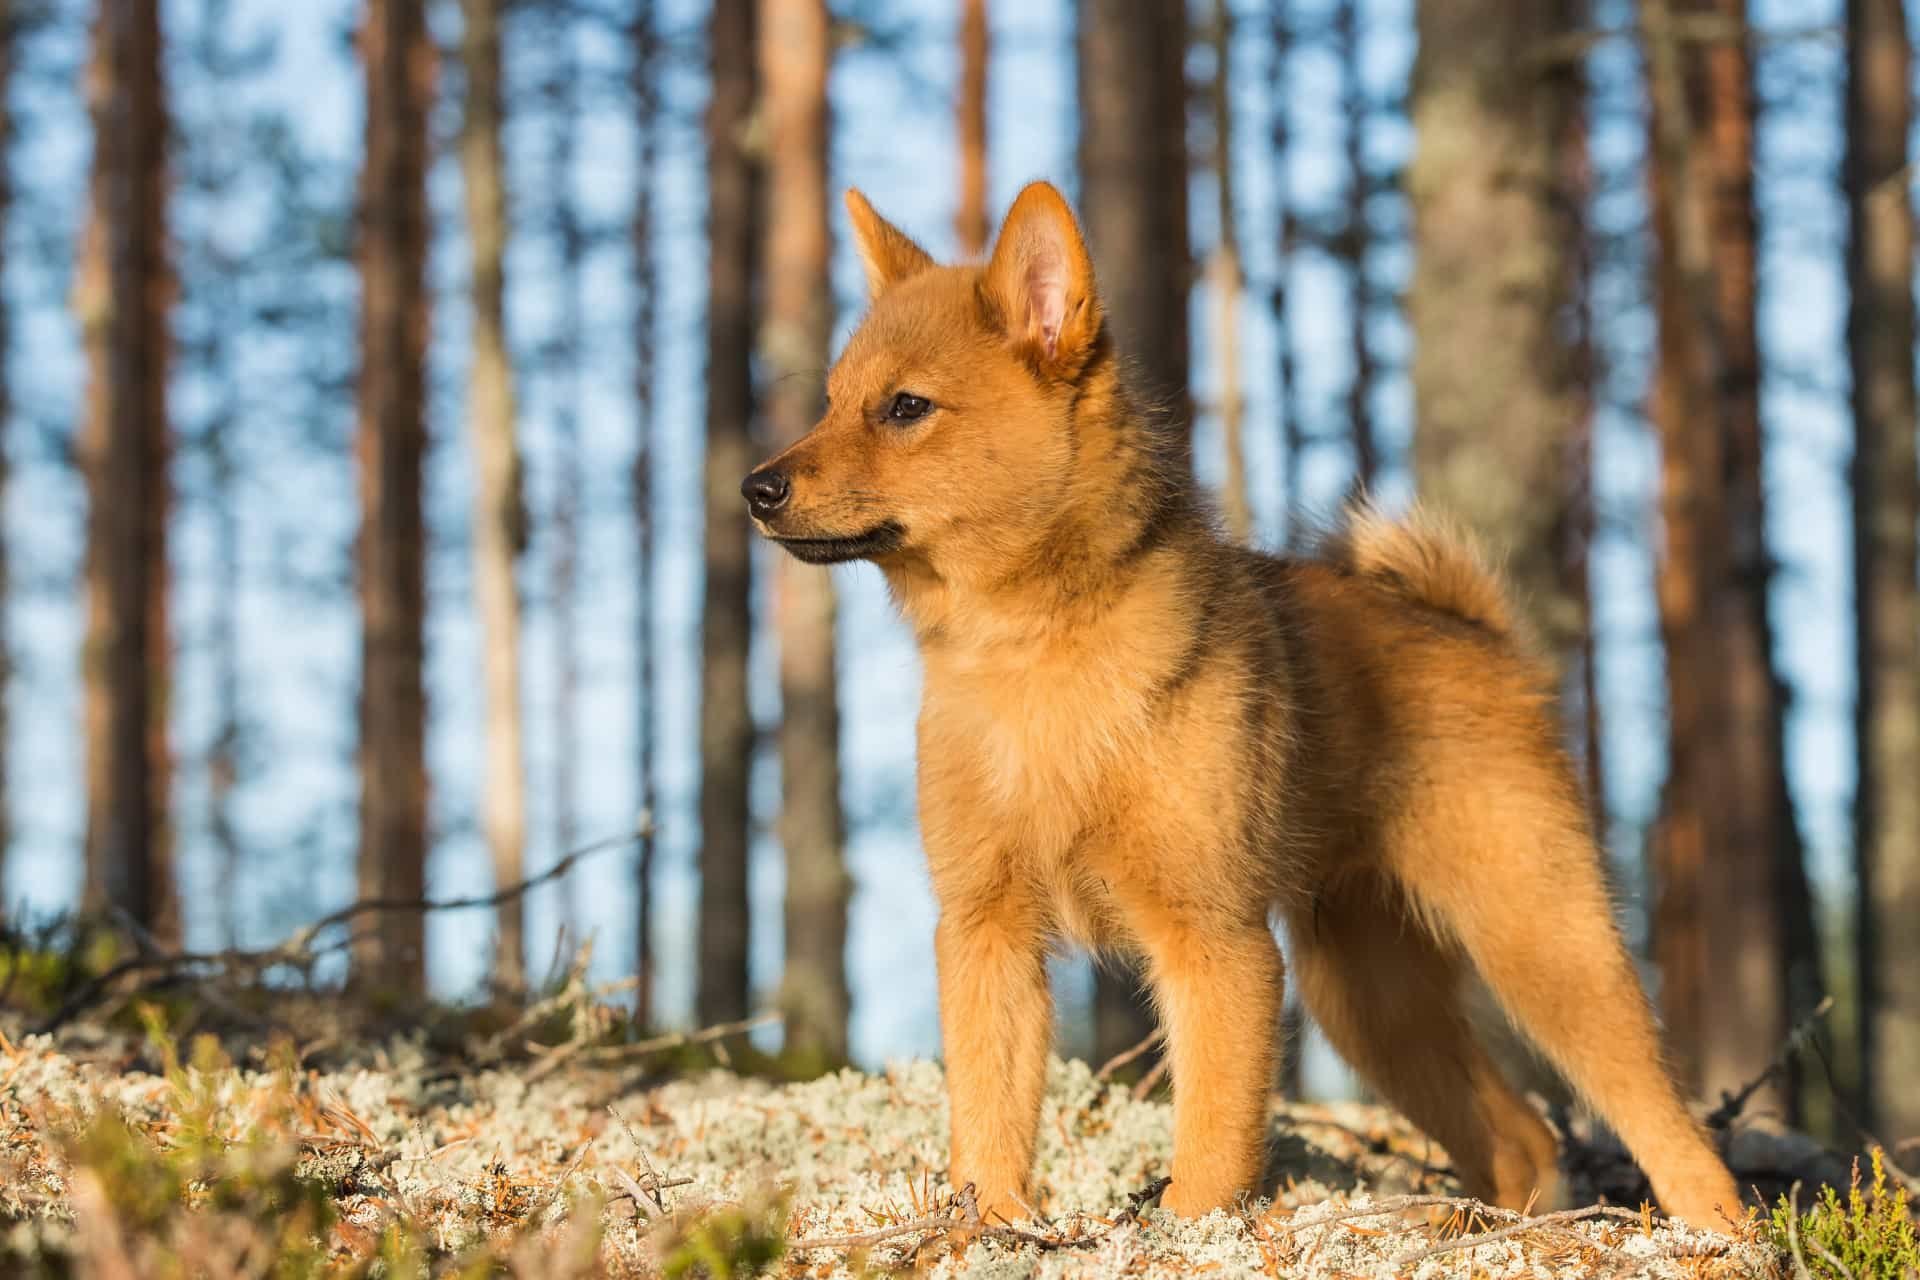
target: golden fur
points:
(1141, 737)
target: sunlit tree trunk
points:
(123, 292)
(796, 328)
(399, 63)
(1133, 204)
(970, 222)
(1724, 934)
(499, 523)
(1497, 407)
(726, 720)
(1225, 283)
(1886, 507)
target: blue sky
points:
(893, 138)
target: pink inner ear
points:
(1047, 290)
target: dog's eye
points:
(906, 407)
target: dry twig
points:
(1125, 1056)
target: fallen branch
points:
(299, 950)
(1731, 1104)
(1391, 1205)
(1519, 1228)
(580, 1052)
(1125, 1056)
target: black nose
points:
(765, 491)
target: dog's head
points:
(948, 415)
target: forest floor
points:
(119, 1160)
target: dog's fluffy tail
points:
(1425, 559)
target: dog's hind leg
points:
(1389, 999)
(1515, 879)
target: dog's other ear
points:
(886, 251)
(1041, 280)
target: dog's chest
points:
(1041, 743)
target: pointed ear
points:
(1041, 279)
(885, 250)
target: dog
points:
(1138, 736)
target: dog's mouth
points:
(877, 541)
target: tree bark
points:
(391, 445)
(1496, 399)
(1730, 952)
(796, 329)
(1133, 204)
(566, 355)
(1355, 246)
(1133, 188)
(1225, 283)
(970, 221)
(1886, 507)
(726, 720)
(500, 522)
(647, 123)
(123, 294)
(1292, 440)
(9, 45)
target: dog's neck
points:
(1131, 500)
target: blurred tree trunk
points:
(726, 720)
(1775, 894)
(123, 292)
(1724, 933)
(647, 123)
(566, 355)
(1886, 506)
(1355, 245)
(970, 221)
(1495, 396)
(500, 522)
(1292, 441)
(1133, 186)
(1133, 204)
(392, 443)
(795, 332)
(10, 22)
(1224, 283)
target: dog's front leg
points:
(996, 1018)
(1219, 996)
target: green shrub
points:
(1867, 1236)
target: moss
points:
(731, 1241)
(1869, 1235)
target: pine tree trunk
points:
(1886, 506)
(1356, 245)
(647, 123)
(1133, 203)
(9, 44)
(726, 720)
(1496, 402)
(796, 328)
(123, 292)
(1721, 924)
(970, 222)
(1224, 283)
(1292, 440)
(391, 447)
(566, 354)
(499, 520)
(1779, 963)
